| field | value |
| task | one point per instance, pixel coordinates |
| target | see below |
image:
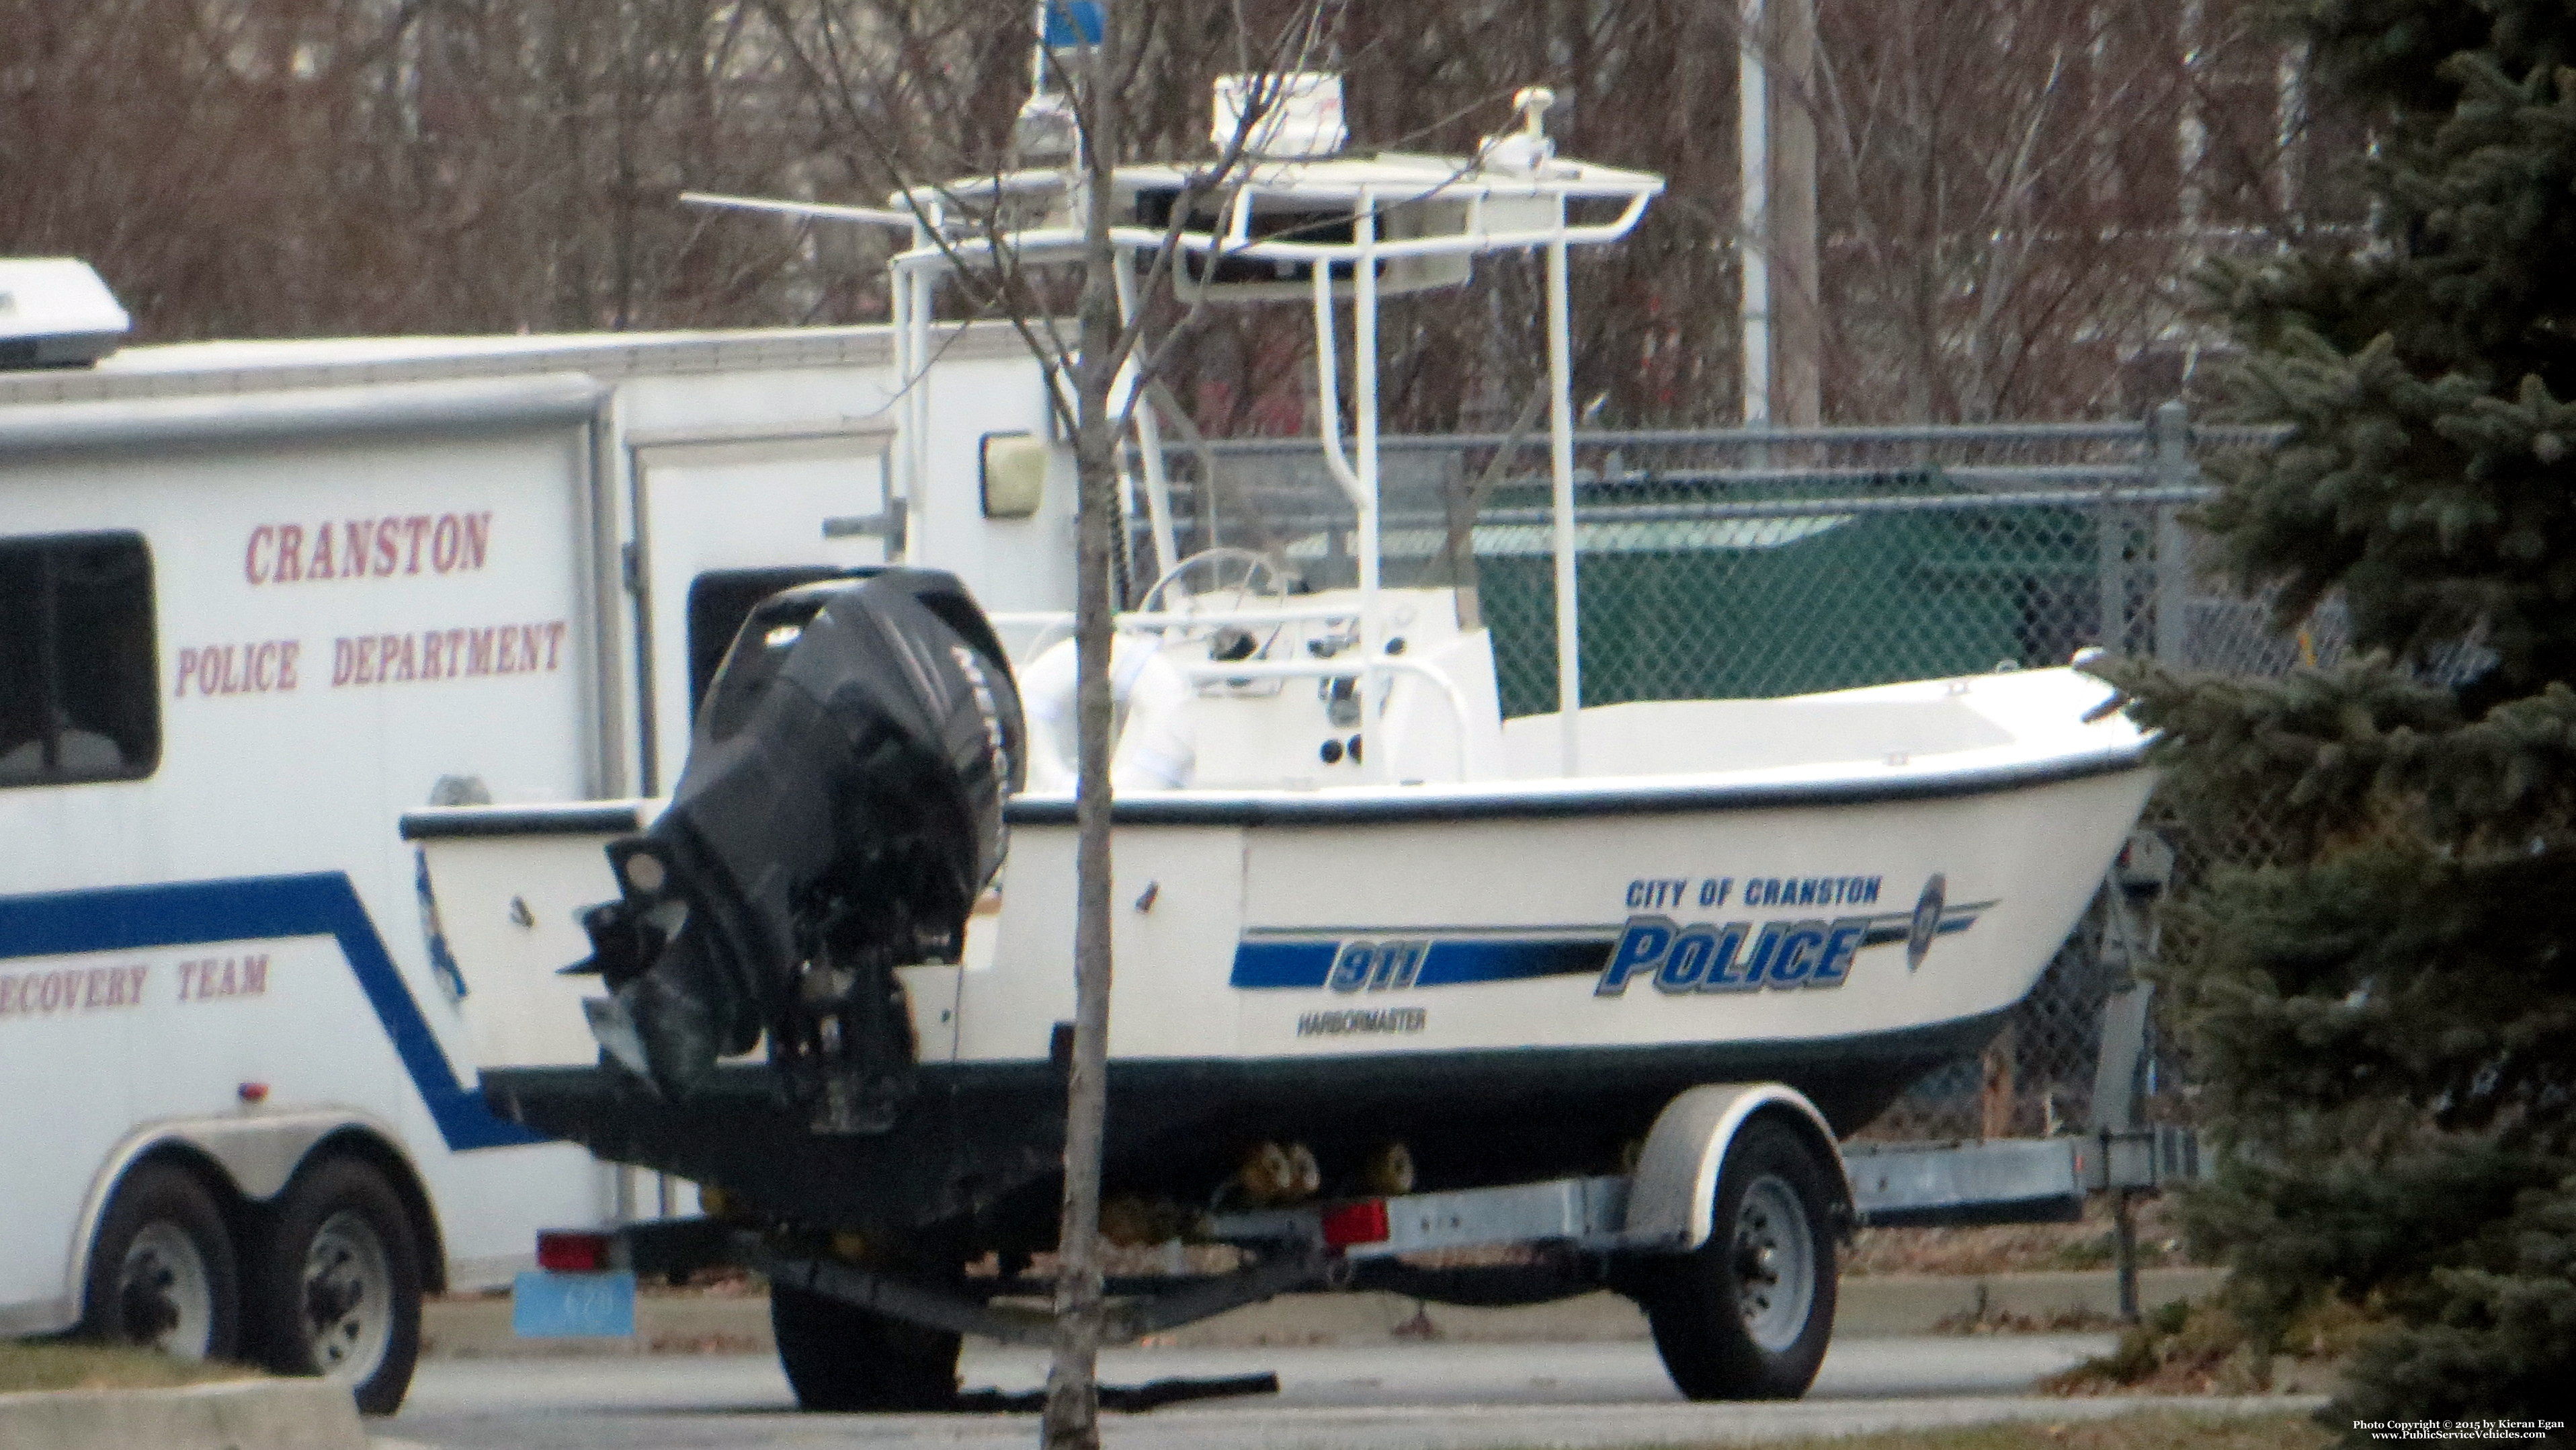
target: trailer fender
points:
(1672, 1197)
(256, 1154)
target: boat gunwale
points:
(1470, 801)
(1522, 800)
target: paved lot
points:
(1408, 1397)
(1872, 1304)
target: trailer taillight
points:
(572, 1251)
(1363, 1222)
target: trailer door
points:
(721, 526)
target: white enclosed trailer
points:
(256, 600)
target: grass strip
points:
(2150, 1430)
(97, 1367)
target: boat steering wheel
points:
(1251, 579)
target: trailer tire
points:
(842, 1358)
(162, 1273)
(1747, 1315)
(335, 1284)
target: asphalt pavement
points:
(1427, 1396)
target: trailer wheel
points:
(1747, 1315)
(162, 1273)
(335, 1284)
(839, 1357)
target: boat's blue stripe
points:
(1306, 964)
(1266, 964)
(260, 908)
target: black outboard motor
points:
(840, 812)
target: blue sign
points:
(1073, 22)
(559, 1306)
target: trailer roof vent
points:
(56, 313)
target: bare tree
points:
(1986, 182)
(1128, 315)
(285, 167)
(1073, 1388)
(2009, 190)
(2015, 190)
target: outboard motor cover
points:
(839, 814)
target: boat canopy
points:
(1265, 221)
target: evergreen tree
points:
(2384, 1014)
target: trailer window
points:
(721, 599)
(79, 670)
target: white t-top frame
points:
(1513, 195)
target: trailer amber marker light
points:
(1356, 1223)
(564, 1251)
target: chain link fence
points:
(1729, 564)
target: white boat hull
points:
(1309, 939)
(1840, 925)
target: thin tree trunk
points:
(1072, 1419)
(1463, 501)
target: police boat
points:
(1362, 921)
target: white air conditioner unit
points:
(56, 313)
